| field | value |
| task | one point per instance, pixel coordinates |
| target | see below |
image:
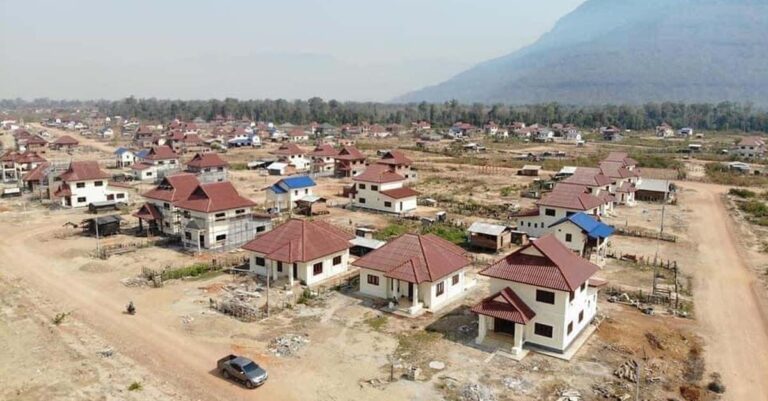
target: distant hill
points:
(629, 51)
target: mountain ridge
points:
(629, 51)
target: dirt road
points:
(187, 363)
(728, 300)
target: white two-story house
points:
(215, 216)
(563, 201)
(323, 158)
(208, 167)
(750, 147)
(399, 163)
(160, 212)
(308, 252)
(157, 163)
(379, 188)
(283, 194)
(415, 272)
(84, 182)
(543, 297)
(292, 154)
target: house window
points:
(568, 237)
(373, 280)
(361, 200)
(221, 237)
(98, 183)
(374, 187)
(337, 260)
(166, 205)
(547, 297)
(80, 185)
(440, 289)
(317, 268)
(187, 214)
(261, 229)
(260, 262)
(549, 212)
(188, 236)
(542, 330)
(584, 286)
(569, 214)
(149, 174)
(387, 204)
(239, 211)
(581, 316)
(570, 328)
(361, 186)
(455, 279)
(220, 216)
(81, 199)
(120, 196)
(306, 191)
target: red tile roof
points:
(63, 190)
(37, 173)
(148, 212)
(505, 305)
(416, 258)
(174, 188)
(298, 132)
(620, 157)
(572, 197)
(553, 266)
(65, 140)
(214, 197)
(588, 176)
(400, 193)
(324, 150)
(616, 170)
(204, 160)
(289, 149)
(300, 241)
(82, 171)
(161, 153)
(36, 140)
(752, 141)
(350, 153)
(378, 173)
(395, 157)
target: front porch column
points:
(290, 274)
(482, 328)
(518, 340)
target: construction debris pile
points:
(627, 371)
(476, 392)
(287, 345)
(241, 300)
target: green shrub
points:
(194, 270)
(457, 235)
(60, 317)
(391, 231)
(135, 386)
(742, 193)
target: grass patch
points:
(376, 323)
(391, 231)
(719, 173)
(195, 270)
(757, 211)
(135, 386)
(238, 166)
(742, 193)
(456, 235)
(507, 191)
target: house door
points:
(201, 240)
(503, 326)
(410, 291)
(295, 271)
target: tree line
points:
(725, 116)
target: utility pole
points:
(96, 224)
(268, 268)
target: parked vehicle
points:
(243, 370)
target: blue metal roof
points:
(277, 189)
(297, 182)
(592, 227)
(120, 151)
(142, 153)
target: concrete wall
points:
(578, 238)
(305, 270)
(378, 291)
(537, 226)
(216, 226)
(428, 291)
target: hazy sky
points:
(343, 49)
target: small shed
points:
(362, 246)
(102, 226)
(653, 190)
(311, 205)
(489, 236)
(365, 232)
(529, 170)
(96, 207)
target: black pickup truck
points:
(243, 370)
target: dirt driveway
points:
(729, 303)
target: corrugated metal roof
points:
(297, 182)
(487, 228)
(648, 184)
